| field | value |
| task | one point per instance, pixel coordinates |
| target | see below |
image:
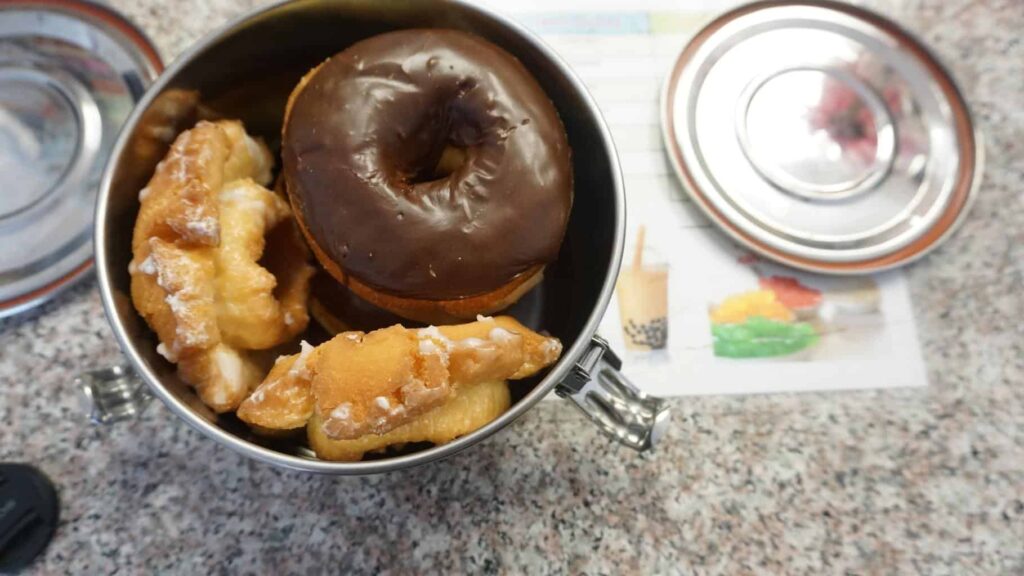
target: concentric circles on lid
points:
(821, 135)
(70, 73)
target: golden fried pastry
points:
(470, 408)
(204, 224)
(250, 312)
(283, 400)
(360, 384)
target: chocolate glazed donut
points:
(364, 135)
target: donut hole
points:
(452, 159)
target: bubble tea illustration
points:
(643, 301)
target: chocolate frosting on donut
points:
(365, 135)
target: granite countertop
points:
(906, 481)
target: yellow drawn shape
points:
(737, 308)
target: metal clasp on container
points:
(113, 394)
(615, 404)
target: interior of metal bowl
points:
(246, 71)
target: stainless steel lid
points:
(821, 135)
(70, 73)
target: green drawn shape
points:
(759, 337)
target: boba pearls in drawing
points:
(652, 334)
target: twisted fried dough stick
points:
(196, 278)
(363, 384)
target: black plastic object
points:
(28, 515)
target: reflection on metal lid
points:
(70, 73)
(820, 135)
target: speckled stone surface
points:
(912, 481)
